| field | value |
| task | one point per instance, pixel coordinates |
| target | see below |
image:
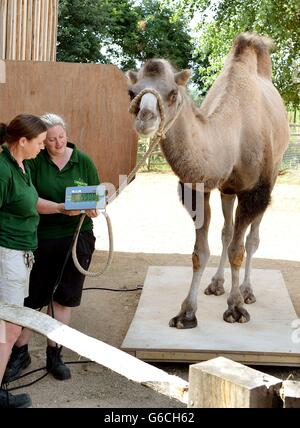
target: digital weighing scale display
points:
(85, 197)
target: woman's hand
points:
(71, 213)
(61, 208)
(92, 213)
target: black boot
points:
(19, 360)
(55, 364)
(9, 401)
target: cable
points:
(138, 287)
(110, 253)
(43, 376)
(28, 384)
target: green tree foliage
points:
(163, 33)
(77, 36)
(127, 32)
(123, 32)
(278, 19)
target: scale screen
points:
(85, 197)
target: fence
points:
(28, 29)
(291, 158)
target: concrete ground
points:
(151, 228)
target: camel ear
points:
(132, 76)
(182, 77)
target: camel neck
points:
(194, 147)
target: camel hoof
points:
(181, 322)
(215, 287)
(248, 296)
(236, 314)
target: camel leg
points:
(186, 317)
(236, 311)
(251, 207)
(252, 243)
(216, 285)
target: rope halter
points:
(134, 108)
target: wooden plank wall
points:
(28, 29)
(93, 100)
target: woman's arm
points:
(49, 207)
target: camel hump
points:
(261, 45)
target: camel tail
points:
(262, 47)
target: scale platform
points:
(268, 338)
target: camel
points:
(234, 143)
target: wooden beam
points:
(95, 350)
(222, 383)
(192, 357)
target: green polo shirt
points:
(51, 182)
(18, 198)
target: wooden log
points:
(14, 29)
(290, 394)
(29, 37)
(95, 350)
(24, 30)
(54, 30)
(36, 30)
(224, 383)
(50, 30)
(18, 29)
(45, 29)
(3, 18)
(9, 31)
(42, 30)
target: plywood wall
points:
(93, 100)
(28, 29)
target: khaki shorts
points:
(14, 276)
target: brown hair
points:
(23, 125)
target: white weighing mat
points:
(270, 337)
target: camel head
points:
(159, 75)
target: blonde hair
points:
(52, 119)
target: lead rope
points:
(158, 136)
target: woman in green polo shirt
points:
(61, 165)
(24, 137)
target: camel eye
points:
(131, 94)
(172, 97)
